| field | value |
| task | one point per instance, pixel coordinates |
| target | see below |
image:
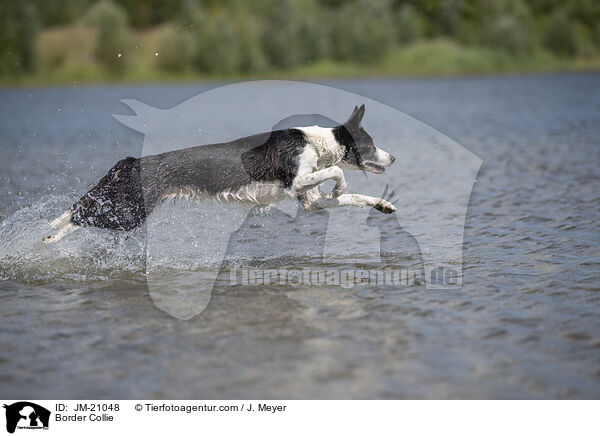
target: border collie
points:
(261, 169)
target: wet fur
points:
(259, 169)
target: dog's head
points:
(361, 152)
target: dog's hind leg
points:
(61, 220)
(65, 230)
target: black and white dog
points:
(261, 169)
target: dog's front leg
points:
(313, 200)
(305, 182)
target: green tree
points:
(501, 24)
(19, 31)
(113, 40)
(217, 48)
(147, 13)
(363, 31)
(409, 24)
(252, 56)
(60, 12)
(176, 48)
(560, 35)
(281, 29)
(295, 31)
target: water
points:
(77, 320)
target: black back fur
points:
(127, 194)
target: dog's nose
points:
(392, 158)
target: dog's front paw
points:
(384, 206)
(338, 190)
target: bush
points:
(113, 39)
(103, 11)
(19, 31)
(446, 17)
(217, 45)
(280, 40)
(314, 32)
(362, 32)
(252, 58)
(560, 36)
(228, 41)
(295, 32)
(409, 24)
(505, 25)
(508, 33)
(176, 49)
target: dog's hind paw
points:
(64, 231)
(384, 206)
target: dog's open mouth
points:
(373, 167)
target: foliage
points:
(175, 48)
(19, 29)
(60, 12)
(560, 35)
(231, 37)
(409, 24)
(113, 43)
(363, 31)
(294, 32)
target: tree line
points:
(235, 36)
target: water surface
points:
(77, 321)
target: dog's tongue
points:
(378, 169)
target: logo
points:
(26, 415)
(430, 183)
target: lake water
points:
(77, 320)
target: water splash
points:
(89, 254)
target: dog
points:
(261, 169)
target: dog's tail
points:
(64, 225)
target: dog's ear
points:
(357, 115)
(360, 113)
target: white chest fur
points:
(327, 150)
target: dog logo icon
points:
(432, 179)
(26, 415)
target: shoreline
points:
(425, 59)
(189, 80)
